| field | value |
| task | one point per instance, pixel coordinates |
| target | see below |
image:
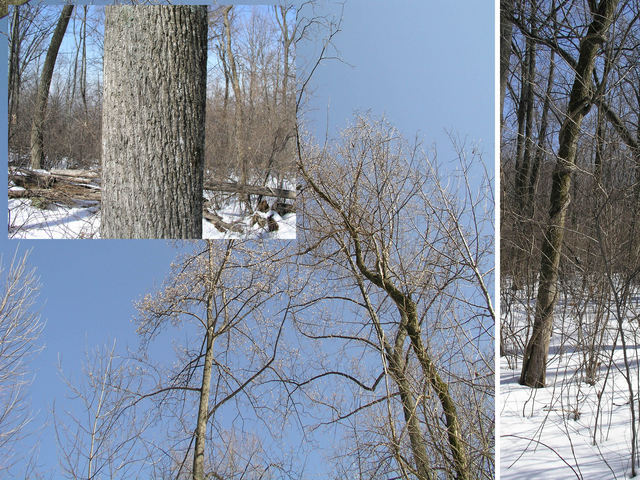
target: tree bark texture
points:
(534, 365)
(37, 138)
(153, 121)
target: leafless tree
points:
(400, 245)
(37, 152)
(20, 328)
(228, 299)
(104, 440)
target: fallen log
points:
(220, 224)
(233, 187)
(74, 172)
(25, 177)
(66, 194)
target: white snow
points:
(56, 221)
(548, 433)
(83, 221)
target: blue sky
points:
(426, 65)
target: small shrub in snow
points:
(39, 202)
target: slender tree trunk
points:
(409, 410)
(37, 137)
(153, 121)
(506, 7)
(454, 432)
(534, 367)
(540, 147)
(14, 66)
(237, 93)
(203, 408)
(409, 314)
(522, 175)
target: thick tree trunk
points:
(534, 366)
(37, 139)
(153, 121)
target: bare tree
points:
(229, 298)
(365, 202)
(106, 439)
(580, 101)
(20, 328)
(37, 153)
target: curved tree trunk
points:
(153, 121)
(37, 139)
(534, 365)
(410, 323)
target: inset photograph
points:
(570, 239)
(152, 121)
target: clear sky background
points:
(426, 65)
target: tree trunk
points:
(506, 26)
(530, 210)
(37, 153)
(534, 366)
(522, 174)
(153, 121)
(203, 408)
(409, 408)
(238, 119)
(14, 66)
(410, 323)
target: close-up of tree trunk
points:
(153, 121)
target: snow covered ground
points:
(37, 219)
(573, 428)
(59, 221)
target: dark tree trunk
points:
(14, 66)
(37, 138)
(506, 26)
(534, 366)
(153, 121)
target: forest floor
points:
(575, 427)
(56, 216)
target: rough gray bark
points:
(37, 140)
(153, 121)
(534, 366)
